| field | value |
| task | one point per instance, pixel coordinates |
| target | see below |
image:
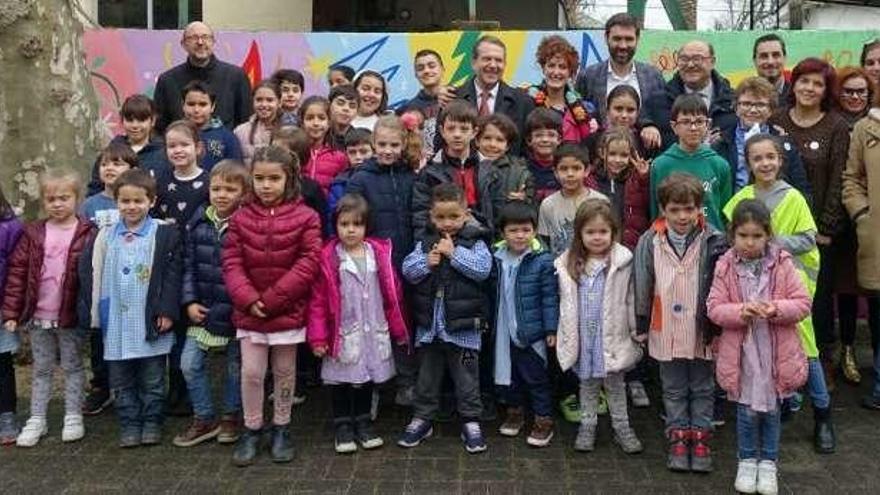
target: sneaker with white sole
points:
(35, 429)
(472, 436)
(746, 476)
(416, 432)
(73, 428)
(767, 482)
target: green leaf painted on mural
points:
(463, 52)
(98, 62)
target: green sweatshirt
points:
(707, 166)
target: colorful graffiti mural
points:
(128, 61)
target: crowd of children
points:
(324, 222)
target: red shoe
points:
(678, 459)
(701, 454)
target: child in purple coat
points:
(10, 231)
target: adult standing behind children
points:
(230, 82)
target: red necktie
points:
(484, 103)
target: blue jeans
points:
(528, 375)
(688, 392)
(757, 428)
(816, 385)
(140, 390)
(194, 364)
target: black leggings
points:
(352, 401)
(7, 383)
(847, 309)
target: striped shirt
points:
(475, 264)
(673, 330)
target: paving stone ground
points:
(97, 465)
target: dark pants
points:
(528, 375)
(177, 390)
(464, 368)
(688, 389)
(823, 301)
(140, 390)
(847, 311)
(100, 375)
(7, 383)
(351, 401)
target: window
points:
(148, 14)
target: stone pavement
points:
(97, 465)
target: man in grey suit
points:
(597, 80)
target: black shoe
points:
(281, 446)
(824, 440)
(871, 402)
(246, 448)
(97, 400)
(363, 432)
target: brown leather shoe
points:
(229, 429)
(513, 422)
(197, 432)
(542, 432)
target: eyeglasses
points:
(693, 124)
(860, 93)
(685, 60)
(753, 105)
(204, 38)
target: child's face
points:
(182, 151)
(571, 173)
(750, 240)
(597, 236)
(337, 78)
(225, 195)
(59, 200)
(543, 142)
(690, 129)
(518, 236)
(198, 108)
(270, 179)
(134, 203)
(316, 122)
(291, 94)
(388, 144)
(138, 131)
(358, 153)
(765, 162)
(617, 157)
(492, 143)
(429, 71)
(342, 111)
(681, 217)
(370, 91)
(351, 229)
(110, 170)
(458, 137)
(753, 109)
(265, 104)
(448, 217)
(623, 111)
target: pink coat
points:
(326, 304)
(324, 165)
(792, 301)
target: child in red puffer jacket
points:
(270, 259)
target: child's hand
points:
(163, 323)
(519, 195)
(10, 325)
(445, 247)
(823, 240)
(434, 258)
(196, 312)
(713, 136)
(768, 310)
(551, 340)
(320, 351)
(650, 138)
(640, 164)
(258, 309)
(750, 310)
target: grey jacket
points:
(592, 84)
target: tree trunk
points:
(48, 108)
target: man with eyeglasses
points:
(768, 55)
(228, 81)
(755, 102)
(696, 74)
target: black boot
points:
(282, 445)
(246, 448)
(824, 440)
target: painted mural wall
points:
(128, 61)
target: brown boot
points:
(542, 432)
(513, 423)
(229, 427)
(197, 432)
(848, 365)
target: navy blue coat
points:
(203, 274)
(389, 191)
(536, 296)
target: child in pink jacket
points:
(355, 313)
(757, 297)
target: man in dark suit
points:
(486, 90)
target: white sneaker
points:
(73, 428)
(746, 476)
(33, 430)
(767, 484)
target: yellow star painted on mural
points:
(317, 66)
